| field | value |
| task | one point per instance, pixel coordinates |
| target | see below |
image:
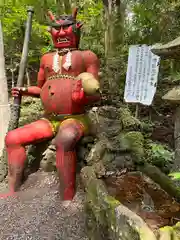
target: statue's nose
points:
(62, 32)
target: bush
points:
(160, 155)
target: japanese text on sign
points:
(142, 75)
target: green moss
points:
(128, 121)
(102, 205)
(165, 233)
(111, 204)
(97, 197)
(176, 231)
(31, 109)
(108, 162)
(134, 142)
(99, 169)
(103, 211)
(159, 155)
(111, 201)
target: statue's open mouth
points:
(62, 40)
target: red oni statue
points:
(62, 86)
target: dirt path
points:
(38, 214)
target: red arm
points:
(34, 91)
(92, 65)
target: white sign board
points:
(142, 75)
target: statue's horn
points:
(74, 13)
(51, 16)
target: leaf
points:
(175, 175)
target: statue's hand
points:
(90, 85)
(78, 91)
(17, 91)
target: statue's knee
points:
(66, 139)
(11, 139)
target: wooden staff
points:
(15, 108)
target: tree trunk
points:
(114, 17)
(4, 106)
(67, 6)
(114, 31)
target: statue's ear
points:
(79, 25)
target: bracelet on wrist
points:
(24, 89)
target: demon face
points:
(65, 30)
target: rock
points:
(35, 154)
(110, 127)
(112, 219)
(86, 140)
(107, 218)
(160, 178)
(124, 161)
(109, 112)
(48, 162)
(108, 160)
(134, 142)
(99, 169)
(96, 153)
(82, 152)
(128, 121)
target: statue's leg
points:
(15, 142)
(70, 131)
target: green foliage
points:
(175, 175)
(159, 155)
(91, 15)
(14, 17)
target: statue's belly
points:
(56, 96)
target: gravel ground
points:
(37, 213)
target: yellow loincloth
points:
(82, 119)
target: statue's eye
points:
(65, 27)
(57, 28)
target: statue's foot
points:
(66, 203)
(6, 195)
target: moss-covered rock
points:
(170, 233)
(166, 233)
(128, 121)
(109, 219)
(133, 142)
(119, 222)
(48, 162)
